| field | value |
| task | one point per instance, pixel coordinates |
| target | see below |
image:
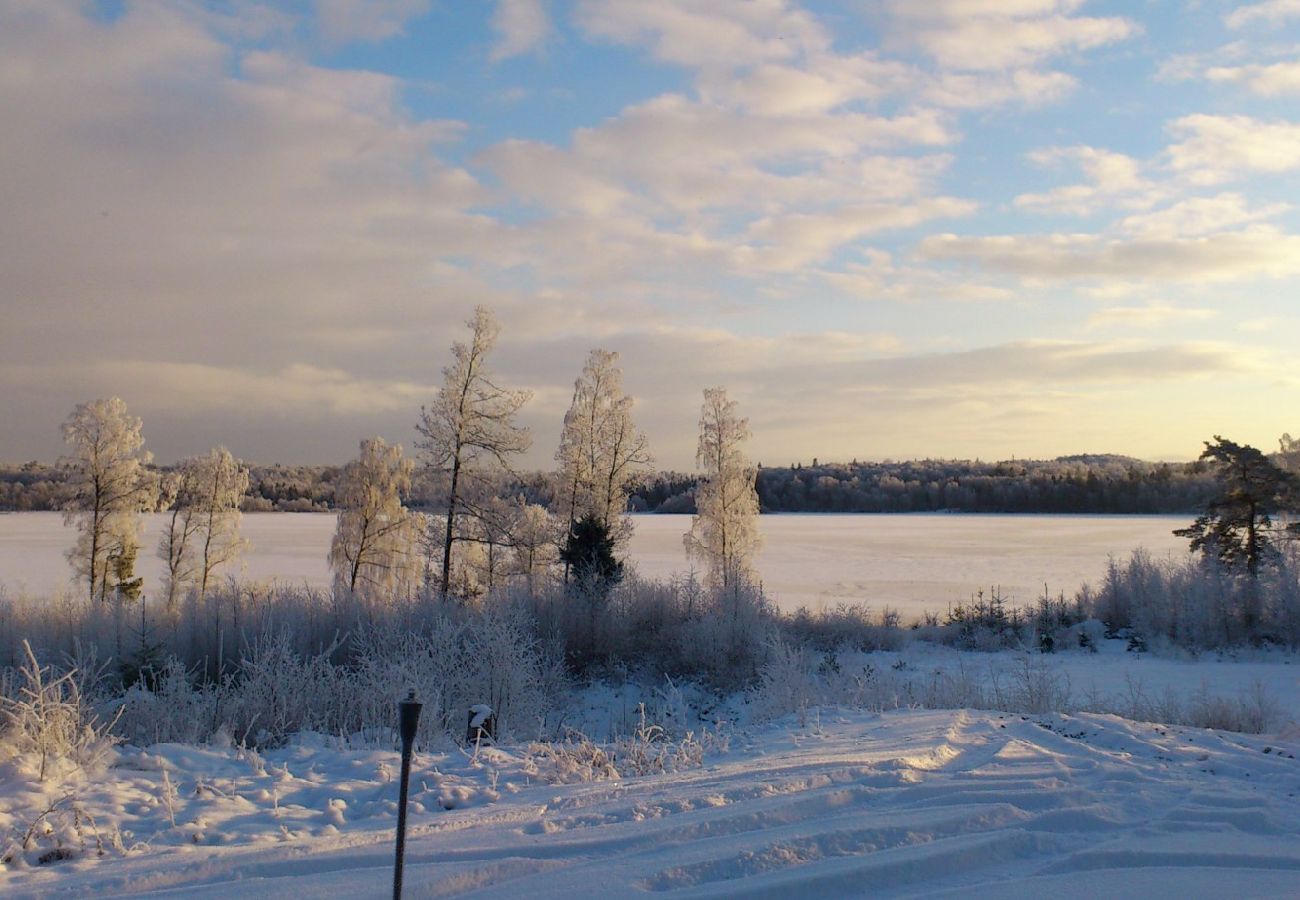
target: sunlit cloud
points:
(1268, 12)
(264, 229)
(1153, 316)
(520, 26)
(1259, 251)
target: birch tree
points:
(469, 429)
(374, 551)
(218, 483)
(175, 546)
(724, 532)
(108, 489)
(534, 542)
(601, 451)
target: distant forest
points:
(1067, 484)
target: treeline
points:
(1067, 484)
(35, 486)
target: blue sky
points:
(892, 229)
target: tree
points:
(533, 542)
(1235, 528)
(724, 532)
(468, 428)
(1288, 456)
(588, 553)
(217, 482)
(601, 451)
(175, 547)
(373, 553)
(108, 489)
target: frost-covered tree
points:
(468, 430)
(601, 451)
(176, 545)
(534, 543)
(108, 487)
(1288, 456)
(202, 498)
(374, 553)
(724, 532)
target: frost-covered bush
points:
(172, 710)
(846, 626)
(1253, 710)
(1197, 604)
(275, 692)
(47, 721)
(350, 686)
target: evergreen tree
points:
(589, 554)
(1236, 527)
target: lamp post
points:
(408, 712)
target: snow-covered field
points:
(829, 801)
(911, 562)
(956, 803)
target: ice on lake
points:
(911, 562)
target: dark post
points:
(408, 711)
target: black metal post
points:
(408, 712)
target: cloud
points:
(1270, 12)
(1213, 149)
(975, 90)
(725, 33)
(1153, 316)
(341, 21)
(1199, 216)
(1222, 256)
(1266, 80)
(791, 242)
(975, 35)
(1114, 180)
(159, 180)
(520, 26)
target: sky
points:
(892, 229)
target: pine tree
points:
(1236, 528)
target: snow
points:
(829, 801)
(911, 803)
(911, 562)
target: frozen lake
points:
(911, 562)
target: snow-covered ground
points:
(828, 801)
(911, 562)
(915, 803)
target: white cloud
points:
(1269, 12)
(1200, 215)
(974, 35)
(975, 90)
(1114, 180)
(1213, 149)
(340, 21)
(791, 242)
(1154, 315)
(1266, 80)
(1223, 256)
(731, 34)
(520, 26)
(149, 184)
